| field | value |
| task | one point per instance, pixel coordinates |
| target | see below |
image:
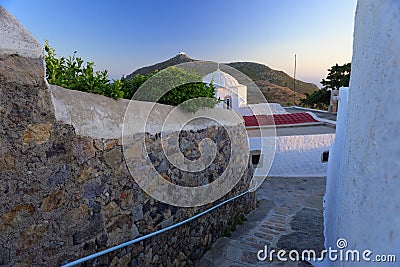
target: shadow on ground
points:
(289, 216)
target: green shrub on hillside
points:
(319, 99)
(184, 85)
(73, 73)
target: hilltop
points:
(178, 59)
(260, 72)
(276, 86)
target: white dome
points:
(221, 78)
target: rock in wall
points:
(65, 195)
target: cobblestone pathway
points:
(289, 216)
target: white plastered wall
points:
(368, 202)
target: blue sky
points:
(121, 36)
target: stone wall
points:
(64, 196)
(66, 191)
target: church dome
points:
(221, 78)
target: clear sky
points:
(121, 36)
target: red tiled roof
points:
(279, 119)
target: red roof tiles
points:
(279, 119)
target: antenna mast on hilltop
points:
(294, 81)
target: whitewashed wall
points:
(368, 204)
(335, 167)
(296, 156)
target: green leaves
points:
(73, 73)
(319, 99)
(338, 76)
(174, 86)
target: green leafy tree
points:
(184, 85)
(319, 99)
(132, 85)
(338, 76)
(73, 73)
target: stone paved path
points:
(289, 216)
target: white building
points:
(262, 135)
(234, 96)
(228, 89)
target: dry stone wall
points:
(64, 196)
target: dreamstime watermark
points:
(144, 119)
(340, 254)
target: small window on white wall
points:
(228, 102)
(256, 158)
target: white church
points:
(234, 96)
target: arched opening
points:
(228, 102)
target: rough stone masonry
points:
(65, 194)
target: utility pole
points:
(294, 81)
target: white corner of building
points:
(15, 39)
